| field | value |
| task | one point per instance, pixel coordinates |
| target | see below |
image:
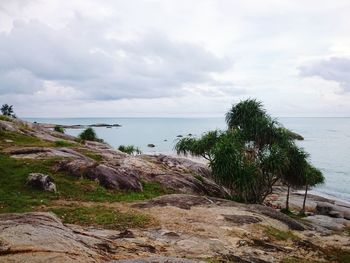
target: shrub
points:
(129, 149)
(89, 135)
(59, 129)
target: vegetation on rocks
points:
(59, 128)
(89, 135)
(253, 154)
(102, 216)
(129, 149)
(16, 196)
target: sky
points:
(174, 58)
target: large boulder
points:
(112, 178)
(109, 177)
(41, 237)
(41, 181)
(325, 208)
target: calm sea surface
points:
(326, 139)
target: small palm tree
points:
(7, 110)
(313, 177)
(293, 176)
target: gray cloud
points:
(83, 58)
(335, 69)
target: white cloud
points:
(335, 69)
(158, 56)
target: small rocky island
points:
(78, 126)
(66, 200)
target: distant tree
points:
(313, 177)
(129, 149)
(7, 110)
(59, 129)
(294, 174)
(89, 135)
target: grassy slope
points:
(16, 196)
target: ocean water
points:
(326, 139)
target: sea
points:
(327, 140)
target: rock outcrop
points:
(108, 177)
(324, 208)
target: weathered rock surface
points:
(42, 152)
(322, 222)
(109, 177)
(157, 260)
(41, 237)
(41, 181)
(324, 208)
(182, 201)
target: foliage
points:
(102, 216)
(281, 235)
(23, 140)
(63, 144)
(129, 149)
(7, 110)
(252, 154)
(198, 146)
(89, 135)
(59, 129)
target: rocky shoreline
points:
(188, 220)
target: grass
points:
(292, 215)
(16, 196)
(22, 140)
(103, 217)
(63, 144)
(5, 118)
(94, 156)
(280, 235)
(199, 178)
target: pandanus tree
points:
(252, 154)
(201, 147)
(294, 174)
(7, 110)
(312, 177)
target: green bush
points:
(59, 129)
(129, 149)
(89, 135)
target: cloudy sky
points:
(94, 58)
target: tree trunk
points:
(287, 199)
(303, 210)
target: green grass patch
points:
(102, 216)
(5, 118)
(94, 156)
(63, 143)
(292, 215)
(22, 140)
(281, 235)
(16, 196)
(199, 178)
